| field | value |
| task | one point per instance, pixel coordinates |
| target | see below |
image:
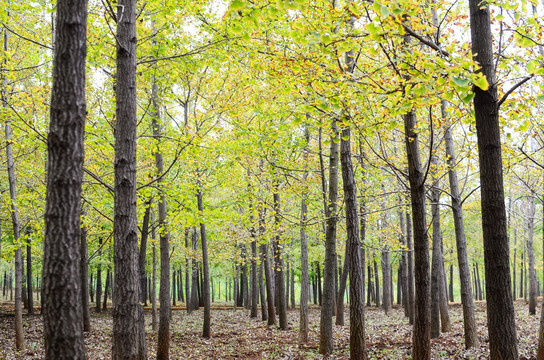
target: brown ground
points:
(236, 336)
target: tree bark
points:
(253, 265)
(411, 294)
(467, 300)
(128, 326)
(63, 325)
(500, 308)
(106, 289)
(143, 248)
(29, 279)
(421, 335)
(154, 279)
(278, 262)
(206, 333)
(531, 255)
(98, 294)
(386, 281)
(19, 336)
(84, 278)
(326, 344)
(304, 268)
(357, 300)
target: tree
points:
(356, 267)
(500, 309)
(128, 326)
(62, 308)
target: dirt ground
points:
(236, 336)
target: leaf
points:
(481, 82)
(460, 82)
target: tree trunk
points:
(404, 262)
(128, 325)
(56, 125)
(84, 278)
(356, 266)
(29, 279)
(531, 255)
(452, 299)
(262, 292)
(154, 283)
(163, 346)
(319, 290)
(143, 248)
(369, 286)
(500, 308)
(173, 288)
(342, 289)
(206, 333)
(253, 266)
(63, 325)
(411, 294)
(304, 268)
(421, 335)
(99, 278)
(326, 344)
(278, 262)
(377, 283)
(386, 281)
(106, 289)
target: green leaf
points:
(468, 97)
(533, 66)
(236, 5)
(460, 82)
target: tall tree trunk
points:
(304, 268)
(439, 300)
(411, 293)
(319, 290)
(514, 262)
(326, 343)
(421, 335)
(377, 283)
(63, 325)
(404, 263)
(262, 292)
(98, 307)
(143, 248)
(342, 289)
(128, 325)
(500, 308)
(29, 279)
(154, 279)
(106, 289)
(356, 266)
(187, 271)
(205, 269)
(278, 261)
(531, 255)
(84, 278)
(253, 265)
(173, 296)
(386, 281)
(54, 127)
(467, 300)
(163, 346)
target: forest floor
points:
(236, 336)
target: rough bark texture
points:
(500, 308)
(409, 244)
(128, 326)
(357, 298)
(30, 298)
(531, 254)
(84, 277)
(467, 299)
(206, 333)
(143, 250)
(278, 264)
(540, 351)
(163, 347)
(253, 268)
(386, 281)
(19, 336)
(326, 343)
(62, 310)
(304, 268)
(421, 336)
(267, 270)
